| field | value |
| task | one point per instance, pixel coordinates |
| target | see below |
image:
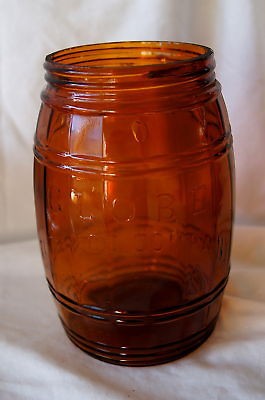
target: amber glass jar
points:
(134, 197)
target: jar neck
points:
(130, 76)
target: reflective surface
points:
(134, 210)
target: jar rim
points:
(159, 53)
(116, 75)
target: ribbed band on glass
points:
(119, 76)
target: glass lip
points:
(52, 64)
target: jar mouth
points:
(125, 75)
(126, 55)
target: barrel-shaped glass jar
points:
(133, 181)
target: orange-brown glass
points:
(133, 181)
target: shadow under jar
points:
(133, 181)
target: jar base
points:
(139, 339)
(141, 357)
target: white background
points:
(235, 29)
(37, 360)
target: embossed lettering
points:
(166, 207)
(140, 240)
(198, 198)
(157, 241)
(123, 210)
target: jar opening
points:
(127, 54)
(128, 75)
